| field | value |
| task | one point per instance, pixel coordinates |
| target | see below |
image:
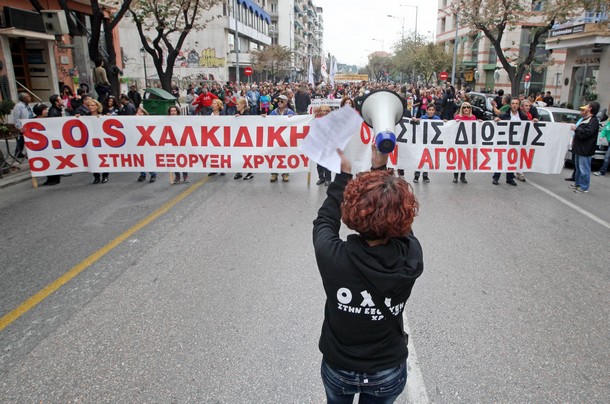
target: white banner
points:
(270, 144)
(504, 146)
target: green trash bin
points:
(157, 101)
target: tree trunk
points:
(111, 71)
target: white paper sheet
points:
(329, 133)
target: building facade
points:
(586, 73)
(209, 54)
(478, 67)
(37, 54)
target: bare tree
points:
(168, 21)
(380, 67)
(495, 17)
(274, 59)
(417, 54)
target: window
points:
(475, 48)
(493, 56)
(544, 116)
(231, 42)
(537, 5)
(443, 24)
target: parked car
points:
(481, 105)
(571, 116)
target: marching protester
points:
(324, 174)
(134, 95)
(605, 133)
(583, 147)
(513, 114)
(242, 109)
(153, 175)
(302, 100)
(365, 350)
(56, 108)
(95, 109)
(253, 96)
(203, 103)
(430, 114)
(42, 111)
(265, 102)
(282, 110)
(464, 114)
(110, 106)
(127, 105)
(21, 111)
(175, 111)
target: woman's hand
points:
(378, 159)
(346, 165)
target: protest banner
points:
(488, 146)
(270, 144)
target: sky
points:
(351, 26)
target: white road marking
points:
(571, 205)
(416, 389)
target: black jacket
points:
(54, 112)
(505, 116)
(302, 101)
(585, 137)
(355, 336)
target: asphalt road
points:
(218, 300)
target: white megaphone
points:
(382, 110)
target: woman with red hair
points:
(367, 279)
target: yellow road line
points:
(29, 304)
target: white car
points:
(571, 116)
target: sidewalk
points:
(18, 173)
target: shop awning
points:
(16, 32)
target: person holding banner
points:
(464, 114)
(430, 114)
(583, 147)
(95, 109)
(140, 111)
(513, 114)
(282, 110)
(367, 280)
(174, 111)
(242, 109)
(324, 174)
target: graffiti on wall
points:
(204, 58)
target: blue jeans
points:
(379, 387)
(604, 168)
(583, 171)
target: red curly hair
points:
(379, 205)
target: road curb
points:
(15, 178)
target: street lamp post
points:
(455, 45)
(402, 37)
(143, 54)
(380, 40)
(416, 13)
(236, 47)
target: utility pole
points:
(236, 45)
(455, 45)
